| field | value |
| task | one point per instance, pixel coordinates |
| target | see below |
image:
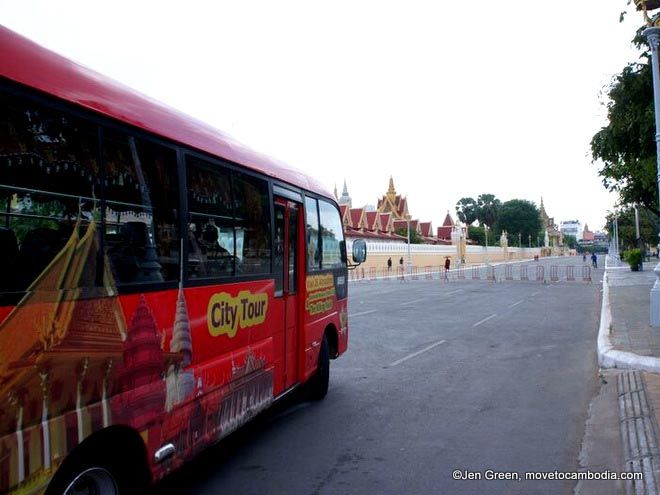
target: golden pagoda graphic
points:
(66, 324)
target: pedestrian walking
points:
(401, 262)
(389, 264)
(447, 265)
(594, 260)
(584, 257)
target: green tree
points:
(478, 235)
(570, 241)
(627, 232)
(626, 146)
(488, 207)
(467, 210)
(35, 215)
(518, 216)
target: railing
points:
(402, 248)
(515, 271)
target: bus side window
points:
(142, 235)
(211, 239)
(313, 247)
(252, 223)
(49, 185)
(278, 248)
(331, 236)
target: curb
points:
(608, 356)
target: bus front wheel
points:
(317, 386)
(91, 481)
(101, 467)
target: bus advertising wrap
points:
(74, 360)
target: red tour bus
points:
(160, 283)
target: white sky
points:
(451, 100)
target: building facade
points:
(572, 227)
(552, 234)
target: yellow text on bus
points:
(227, 314)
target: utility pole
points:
(652, 35)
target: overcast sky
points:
(452, 99)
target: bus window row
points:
(59, 179)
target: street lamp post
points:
(408, 242)
(615, 240)
(616, 223)
(638, 238)
(486, 233)
(652, 35)
(618, 239)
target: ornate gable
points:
(345, 217)
(373, 221)
(358, 220)
(393, 203)
(427, 229)
(444, 232)
(386, 223)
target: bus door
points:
(288, 215)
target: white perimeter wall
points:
(431, 255)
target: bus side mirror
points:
(359, 251)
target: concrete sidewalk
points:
(627, 341)
(629, 294)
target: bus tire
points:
(104, 472)
(317, 386)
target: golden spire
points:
(391, 192)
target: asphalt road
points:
(439, 376)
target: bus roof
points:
(30, 64)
